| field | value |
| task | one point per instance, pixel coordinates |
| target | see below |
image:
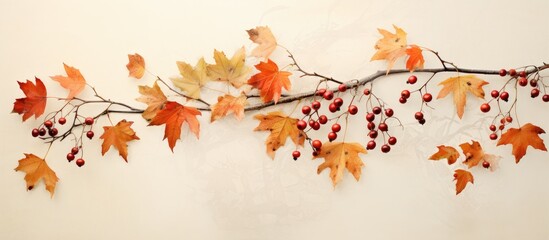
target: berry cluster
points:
(425, 97)
(383, 114)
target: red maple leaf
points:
(34, 103)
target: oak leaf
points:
(459, 86)
(193, 79)
(74, 81)
(521, 138)
(462, 177)
(391, 47)
(118, 136)
(136, 66)
(35, 169)
(415, 58)
(35, 101)
(270, 81)
(338, 156)
(281, 127)
(447, 152)
(227, 104)
(265, 40)
(233, 71)
(154, 98)
(173, 116)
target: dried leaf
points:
(136, 66)
(415, 58)
(338, 156)
(265, 40)
(118, 136)
(36, 168)
(74, 81)
(521, 138)
(281, 127)
(446, 152)
(462, 177)
(227, 104)
(270, 81)
(234, 71)
(193, 78)
(493, 160)
(473, 153)
(174, 115)
(154, 98)
(35, 101)
(391, 47)
(459, 86)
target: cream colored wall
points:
(224, 186)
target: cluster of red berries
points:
(49, 125)
(71, 155)
(522, 80)
(381, 126)
(425, 98)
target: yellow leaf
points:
(193, 78)
(459, 86)
(338, 156)
(227, 104)
(281, 127)
(154, 98)
(391, 47)
(136, 66)
(118, 136)
(36, 168)
(265, 40)
(234, 71)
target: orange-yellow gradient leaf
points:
(446, 152)
(229, 104)
(118, 136)
(233, 71)
(459, 86)
(270, 81)
(391, 47)
(136, 66)
(281, 127)
(338, 156)
(265, 40)
(193, 79)
(74, 81)
(415, 58)
(35, 101)
(521, 138)
(154, 98)
(35, 169)
(173, 116)
(473, 153)
(462, 177)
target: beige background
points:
(224, 186)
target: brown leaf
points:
(227, 104)
(136, 66)
(459, 86)
(74, 81)
(446, 152)
(154, 98)
(462, 177)
(174, 115)
(265, 40)
(281, 127)
(521, 138)
(118, 136)
(338, 156)
(35, 101)
(36, 168)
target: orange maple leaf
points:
(281, 127)
(474, 155)
(174, 115)
(462, 177)
(391, 47)
(154, 98)
(35, 169)
(338, 156)
(415, 58)
(227, 104)
(74, 81)
(35, 101)
(265, 40)
(459, 86)
(270, 81)
(118, 136)
(450, 153)
(136, 66)
(521, 138)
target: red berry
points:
(371, 126)
(502, 72)
(485, 164)
(296, 154)
(493, 136)
(545, 98)
(512, 72)
(501, 127)
(62, 120)
(422, 121)
(522, 74)
(301, 125)
(371, 145)
(306, 110)
(35, 132)
(338, 102)
(372, 134)
(322, 119)
(504, 96)
(328, 95)
(385, 148)
(336, 127)
(392, 140)
(418, 115)
(534, 93)
(90, 134)
(320, 92)
(402, 100)
(389, 112)
(315, 153)
(353, 109)
(533, 83)
(376, 110)
(366, 91)
(80, 162)
(455, 175)
(370, 117)
(42, 132)
(316, 125)
(74, 150)
(405, 94)
(523, 81)
(333, 107)
(311, 123)
(317, 144)
(332, 136)
(53, 132)
(495, 93)
(502, 121)
(70, 157)
(509, 119)
(427, 97)
(315, 105)
(383, 127)
(48, 124)
(412, 79)
(342, 88)
(88, 121)
(485, 107)
(493, 128)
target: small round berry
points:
(389, 112)
(366, 91)
(53, 132)
(501, 127)
(485, 107)
(306, 110)
(383, 127)
(316, 125)
(493, 136)
(301, 125)
(90, 134)
(338, 102)
(342, 88)
(427, 97)
(80, 162)
(422, 121)
(320, 92)
(317, 144)
(533, 83)
(328, 95)
(315, 105)
(371, 145)
(370, 117)
(534, 93)
(502, 121)
(35, 132)
(315, 153)
(353, 109)
(418, 115)
(88, 121)
(376, 110)
(402, 100)
(333, 107)
(412, 79)
(296, 154)
(336, 127)
(523, 81)
(509, 119)
(371, 126)
(545, 98)
(522, 74)
(504, 96)
(322, 119)
(512, 72)
(48, 124)
(373, 134)
(392, 140)
(42, 132)
(332, 136)
(311, 123)
(502, 72)
(455, 175)
(405, 94)
(485, 164)
(62, 120)
(70, 157)
(495, 93)
(493, 128)
(385, 148)
(75, 150)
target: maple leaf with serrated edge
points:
(415, 58)
(74, 81)
(233, 71)
(281, 127)
(265, 40)
(459, 86)
(118, 136)
(173, 116)
(338, 156)
(474, 155)
(35, 169)
(391, 47)
(270, 81)
(462, 177)
(193, 79)
(154, 98)
(521, 138)
(35, 101)
(136, 65)
(446, 152)
(227, 104)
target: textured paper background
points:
(224, 186)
